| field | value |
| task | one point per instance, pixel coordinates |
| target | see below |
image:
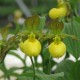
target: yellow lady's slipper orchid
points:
(57, 50)
(31, 47)
(57, 12)
(61, 11)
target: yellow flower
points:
(57, 50)
(31, 47)
(17, 14)
(57, 12)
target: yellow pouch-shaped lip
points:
(57, 50)
(31, 48)
(57, 12)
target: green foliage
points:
(73, 45)
(70, 69)
(6, 30)
(28, 74)
(67, 31)
(39, 76)
(42, 23)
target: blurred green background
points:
(41, 7)
(7, 7)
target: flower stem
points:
(49, 67)
(8, 78)
(33, 68)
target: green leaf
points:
(3, 52)
(45, 56)
(50, 77)
(71, 70)
(65, 67)
(73, 46)
(42, 23)
(73, 3)
(41, 76)
(8, 45)
(4, 32)
(75, 71)
(16, 28)
(45, 53)
(24, 78)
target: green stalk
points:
(8, 78)
(49, 67)
(33, 68)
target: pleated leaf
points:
(71, 70)
(73, 45)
